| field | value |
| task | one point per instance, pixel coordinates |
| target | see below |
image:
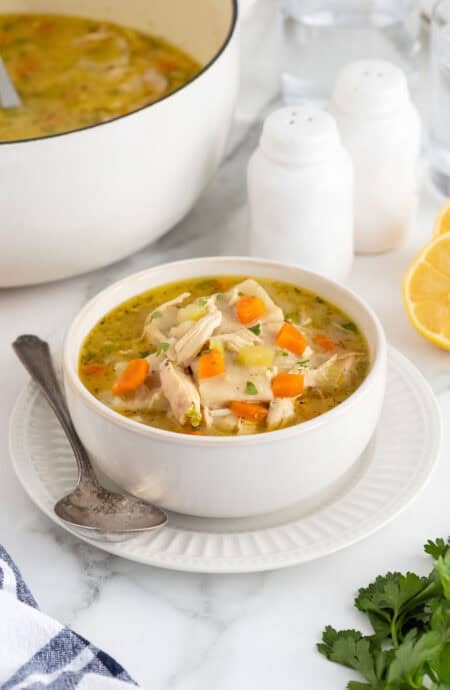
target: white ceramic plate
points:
(389, 475)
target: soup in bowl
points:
(225, 387)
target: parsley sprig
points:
(409, 647)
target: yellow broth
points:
(119, 336)
(73, 72)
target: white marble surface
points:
(176, 631)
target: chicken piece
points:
(159, 322)
(239, 339)
(347, 362)
(144, 399)
(189, 345)
(281, 411)
(244, 427)
(228, 423)
(180, 391)
(335, 372)
(181, 329)
(314, 377)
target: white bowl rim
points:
(72, 378)
(153, 104)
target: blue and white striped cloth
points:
(37, 653)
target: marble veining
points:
(176, 631)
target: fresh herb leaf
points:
(410, 616)
(255, 329)
(144, 354)
(303, 363)
(350, 326)
(437, 548)
(240, 294)
(202, 302)
(156, 315)
(250, 388)
(293, 317)
(162, 347)
(350, 648)
(194, 415)
(411, 657)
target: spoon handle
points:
(34, 354)
(9, 98)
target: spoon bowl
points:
(97, 512)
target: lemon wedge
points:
(442, 222)
(426, 291)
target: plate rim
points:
(21, 457)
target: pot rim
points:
(376, 372)
(216, 56)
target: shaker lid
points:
(373, 87)
(299, 134)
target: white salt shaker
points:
(300, 192)
(380, 127)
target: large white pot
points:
(231, 476)
(74, 202)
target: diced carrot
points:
(94, 369)
(131, 377)
(288, 385)
(251, 411)
(211, 364)
(325, 342)
(290, 338)
(250, 308)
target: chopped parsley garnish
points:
(350, 326)
(162, 347)
(250, 388)
(202, 302)
(194, 415)
(293, 317)
(156, 315)
(240, 294)
(283, 353)
(304, 363)
(144, 354)
(256, 329)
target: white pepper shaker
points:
(380, 127)
(300, 192)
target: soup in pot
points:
(72, 72)
(224, 356)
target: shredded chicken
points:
(189, 345)
(161, 320)
(281, 411)
(182, 394)
(239, 339)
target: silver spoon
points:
(9, 98)
(97, 512)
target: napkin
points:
(37, 652)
